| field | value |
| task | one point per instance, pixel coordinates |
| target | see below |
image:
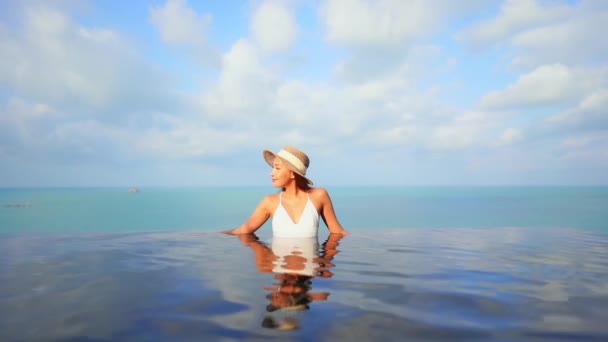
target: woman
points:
(295, 210)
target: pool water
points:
(502, 284)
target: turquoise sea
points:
(422, 263)
(370, 208)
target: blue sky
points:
(181, 93)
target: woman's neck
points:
(292, 190)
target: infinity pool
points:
(410, 284)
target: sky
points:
(376, 92)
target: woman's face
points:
(281, 175)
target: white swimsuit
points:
(284, 226)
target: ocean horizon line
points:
(258, 186)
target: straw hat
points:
(294, 159)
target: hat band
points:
(293, 160)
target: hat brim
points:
(269, 157)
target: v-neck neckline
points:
(287, 212)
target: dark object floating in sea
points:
(17, 205)
(133, 189)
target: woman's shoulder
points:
(269, 202)
(318, 193)
(271, 199)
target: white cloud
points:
(587, 149)
(54, 60)
(18, 109)
(596, 101)
(78, 92)
(382, 22)
(388, 110)
(22, 124)
(182, 27)
(401, 135)
(300, 103)
(413, 64)
(360, 22)
(589, 114)
(546, 85)
(391, 93)
(381, 35)
(321, 109)
(452, 137)
(515, 16)
(188, 140)
(179, 24)
(90, 139)
(461, 130)
(252, 96)
(274, 26)
(510, 136)
(576, 141)
(537, 33)
(578, 39)
(244, 85)
(36, 128)
(40, 132)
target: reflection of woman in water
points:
(296, 210)
(294, 262)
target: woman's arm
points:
(326, 255)
(256, 220)
(328, 214)
(264, 257)
(330, 246)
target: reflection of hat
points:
(290, 323)
(294, 159)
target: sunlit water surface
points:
(502, 284)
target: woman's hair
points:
(301, 182)
(296, 299)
